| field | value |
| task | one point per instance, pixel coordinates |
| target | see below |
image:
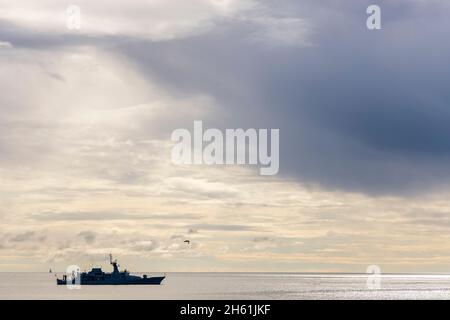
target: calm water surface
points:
(235, 286)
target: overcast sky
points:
(86, 118)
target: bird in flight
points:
(187, 241)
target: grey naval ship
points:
(97, 277)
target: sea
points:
(236, 286)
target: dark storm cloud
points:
(358, 110)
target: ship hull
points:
(114, 282)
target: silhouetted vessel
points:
(97, 277)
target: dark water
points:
(235, 286)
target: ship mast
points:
(113, 263)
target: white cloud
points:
(155, 19)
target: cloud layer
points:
(87, 115)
